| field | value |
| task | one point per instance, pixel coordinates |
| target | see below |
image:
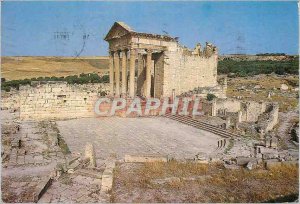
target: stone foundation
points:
(265, 113)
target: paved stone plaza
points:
(120, 136)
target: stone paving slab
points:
(73, 188)
(154, 135)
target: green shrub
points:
(249, 68)
(105, 79)
(81, 79)
(210, 97)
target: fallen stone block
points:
(215, 160)
(42, 187)
(202, 161)
(146, 158)
(270, 156)
(252, 165)
(70, 171)
(107, 179)
(284, 87)
(90, 154)
(74, 165)
(89, 173)
(243, 161)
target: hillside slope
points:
(29, 67)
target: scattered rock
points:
(231, 166)
(269, 155)
(257, 87)
(252, 165)
(284, 87)
(243, 161)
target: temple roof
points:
(120, 29)
(125, 26)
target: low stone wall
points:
(230, 105)
(59, 100)
(251, 110)
(266, 113)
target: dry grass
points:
(172, 168)
(202, 183)
(287, 100)
(29, 67)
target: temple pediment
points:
(118, 30)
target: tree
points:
(210, 97)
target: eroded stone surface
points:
(144, 136)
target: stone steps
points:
(188, 120)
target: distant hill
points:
(13, 68)
(249, 65)
(29, 67)
(258, 57)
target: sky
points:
(78, 28)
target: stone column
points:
(111, 73)
(131, 73)
(214, 108)
(140, 76)
(117, 68)
(90, 154)
(148, 74)
(124, 72)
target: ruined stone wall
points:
(184, 72)
(231, 105)
(59, 100)
(179, 69)
(269, 119)
(250, 111)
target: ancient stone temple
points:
(150, 65)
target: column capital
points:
(116, 53)
(124, 51)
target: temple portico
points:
(150, 65)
